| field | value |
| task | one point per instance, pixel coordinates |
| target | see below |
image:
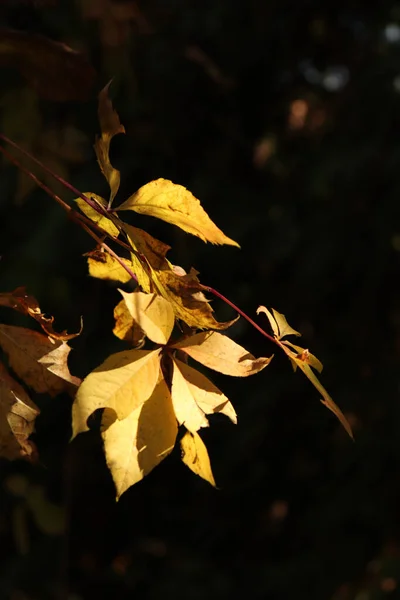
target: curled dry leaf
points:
(106, 223)
(176, 205)
(38, 360)
(17, 418)
(110, 126)
(21, 301)
(54, 70)
(123, 382)
(206, 395)
(195, 456)
(152, 313)
(222, 354)
(135, 445)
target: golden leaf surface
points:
(17, 418)
(152, 313)
(186, 409)
(195, 456)
(38, 360)
(123, 382)
(104, 266)
(135, 445)
(222, 354)
(278, 322)
(104, 222)
(206, 395)
(125, 327)
(176, 205)
(110, 126)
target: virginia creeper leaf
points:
(206, 395)
(175, 204)
(122, 383)
(110, 125)
(104, 222)
(152, 313)
(222, 354)
(17, 418)
(104, 266)
(280, 326)
(125, 327)
(135, 445)
(40, 361)
(21, 301)
(186, 409)
(195, 456)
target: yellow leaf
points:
(182, 291)
(153, 314)
(222, 354)
(186, 409)
(17, 417)
(40, 361)
(104, 222)
(110, 125)
(122, 382)
(280, 326)
(135, 445)
(125, 327)
(306, 356)
(175, 204)
(104, 266)
(206, 395)
(195, 456)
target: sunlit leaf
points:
(153, 313)
(104, 222)
(126, 327)
(40, 361)
(195, 456)
(278, 322)
(135, 445)
(186, 409)
(110, 126)
(222, 354)
(17, 418)
(122, 383)
(175, 204)
(206, 395)
(104, 266)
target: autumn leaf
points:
(176, 205)
(302, 358)
(135, 445)
(21, 301)
(106, 223)
(186, 408)
(195, 456)
(40, 361)
(122, 383)
(154, 315)
(104, 266)
(17, 418)
(126, 328)
(110, 126)
(222, 354)
(182, 291)
(206, 395)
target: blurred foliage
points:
(283, 119)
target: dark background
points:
(283, 118)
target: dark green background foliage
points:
(213, 95)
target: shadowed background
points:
(284, 121)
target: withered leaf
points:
(175, 204)
(110, 126)
(135, 445)
(40, 361)
(21, 301)
(55, 71)
(123, 382)
(195, 456)
(17, 418)
(222, 354)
